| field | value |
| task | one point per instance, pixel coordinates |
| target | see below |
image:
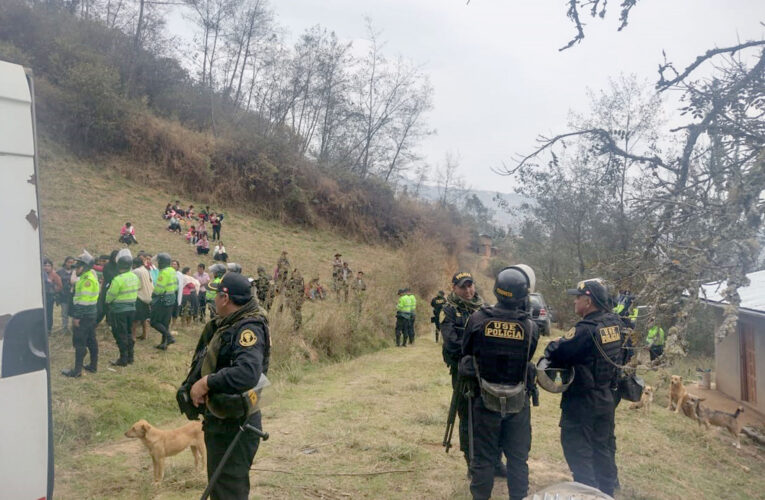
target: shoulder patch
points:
(160, 277)
(87, 283)
(441, 316)
(247, 338)
(569, 334)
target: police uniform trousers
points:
(494, 434)
(234, 481)
(84, 341)
(122, 326)
(160, 319)
(462, 413)
(589, 444)
(410, 330)
(401, 329)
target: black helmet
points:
(514, 283)
(124, 263)
(217, 270)
(555, 380)
(163, 260)
(85, 259)
(233, 405)
(234, 267)
(594, 288)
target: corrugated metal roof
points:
(752, 296)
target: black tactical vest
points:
(606, 331)
(501, 344)
(224, 356)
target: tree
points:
(699, 203)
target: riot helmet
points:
(86, 260)
(514, 283)
(233, 267)
(217, 270)
(163, 260)
(232, 405)
(124, 263)
(555, 380)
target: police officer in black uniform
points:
(497, 346)
(437, 303)
(592, 348)
(460, 304)
(237, 352)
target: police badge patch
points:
(569, 334)
(247, 338)
(441, 316)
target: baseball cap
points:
(462, 277)
(234, 284)
(594, 288)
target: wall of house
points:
(728, 363)
(728, 366)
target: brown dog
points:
(162, 444)
(645, 400)
(690, 406)
(677, 393)
(730, 421)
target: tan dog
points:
(730, 421)
(690, 406)
(645, 400)
(677, 393)
(162, 444)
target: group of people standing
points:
(488, 350)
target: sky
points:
(499, 80)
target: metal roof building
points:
(740, 357)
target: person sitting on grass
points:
(191, 235)
(127, 234)
(168, 211)
(175, 224)
(220, 252)
(190, 212)
(203, 246)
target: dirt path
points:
(372, 427)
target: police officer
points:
(84, 313)
(460, 304)
(262, 285)
(592, 348)
(217, 271)
(121, 298)
(437, 303)
(412, 306)
(497, 345)
(238, 348)
(402, 317)
(164, 299)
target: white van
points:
(26, 440)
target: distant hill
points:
(501, 217)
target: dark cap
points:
(462, 277)
(338, 255)
(234, 284)
(594, 288)
(401, 290)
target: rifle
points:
(531, 383)
(452, 416)
(216, 474)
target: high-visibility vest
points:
(653, 332)
(210, 293)
(124, 290)
(402, 305)
(412, 303)
(167, 282)
(86, 290)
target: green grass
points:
(358, 407)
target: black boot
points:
(130, 354)
(79, 356)
(90, 368)
(119, 362)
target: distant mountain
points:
(501, 217)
